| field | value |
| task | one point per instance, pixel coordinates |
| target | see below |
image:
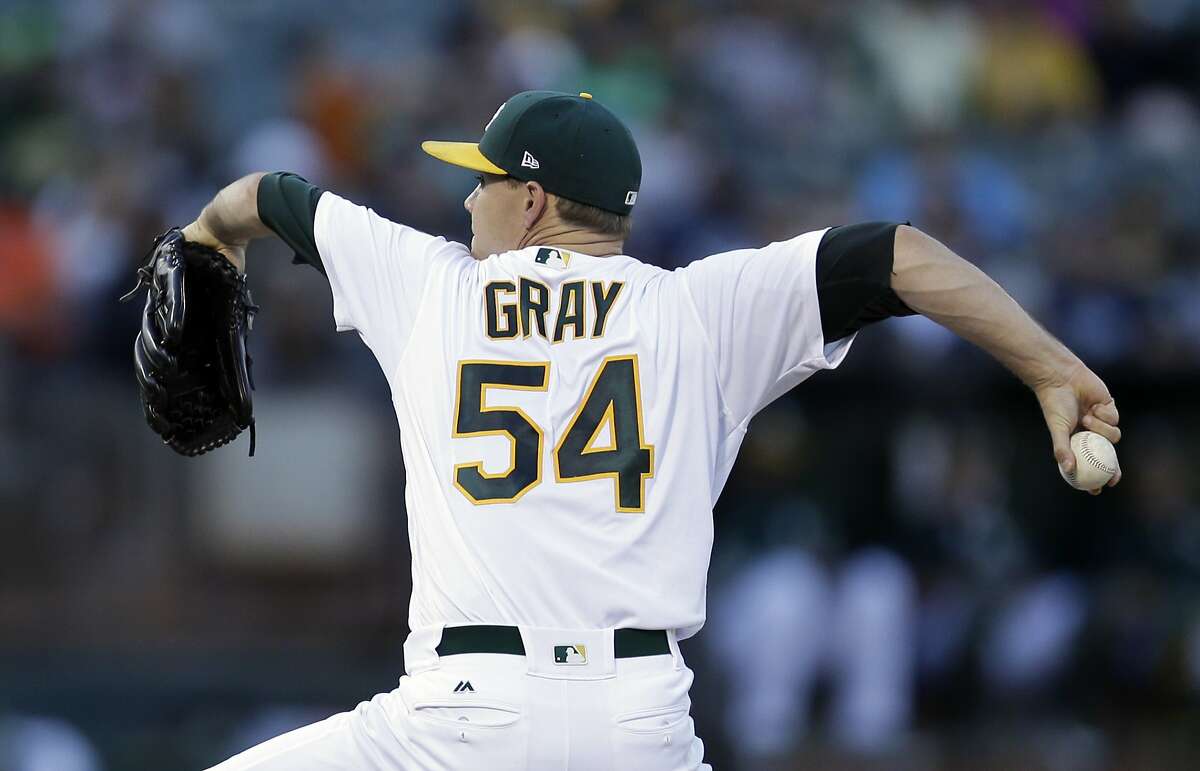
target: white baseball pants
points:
(582, 711)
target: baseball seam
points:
(1091, 458)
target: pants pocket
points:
(480, 714)
(656, 720)
(452, 732)
(659, 738)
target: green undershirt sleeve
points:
(854, 278)
(287, 204)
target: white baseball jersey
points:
(568, 421)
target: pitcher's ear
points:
(536, 201)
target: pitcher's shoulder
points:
(638, 270)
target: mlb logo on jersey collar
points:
(559, 258)
(570, 655)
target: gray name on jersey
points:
(529, 307)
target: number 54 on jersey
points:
(611, 408)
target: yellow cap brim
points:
(465, 154)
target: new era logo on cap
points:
(630, 197)
(529, 162)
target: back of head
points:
(571, 145)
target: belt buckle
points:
(573, 655)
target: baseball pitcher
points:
(569, 415)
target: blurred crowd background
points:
(900, 579)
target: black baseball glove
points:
(190, 357)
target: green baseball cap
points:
(570, 144)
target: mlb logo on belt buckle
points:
(573, 655)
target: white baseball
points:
(1095, 461)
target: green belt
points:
(627, 643)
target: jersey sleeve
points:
(760, 313)
(377, 270)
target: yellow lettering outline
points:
(605, 286)
(501, 334)
(512, 440)
(523, 313)
(637, 397)
(607, 419)
(578, 309)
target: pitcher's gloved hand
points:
(190, 356)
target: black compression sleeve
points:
(854, 278)
(287, 204)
